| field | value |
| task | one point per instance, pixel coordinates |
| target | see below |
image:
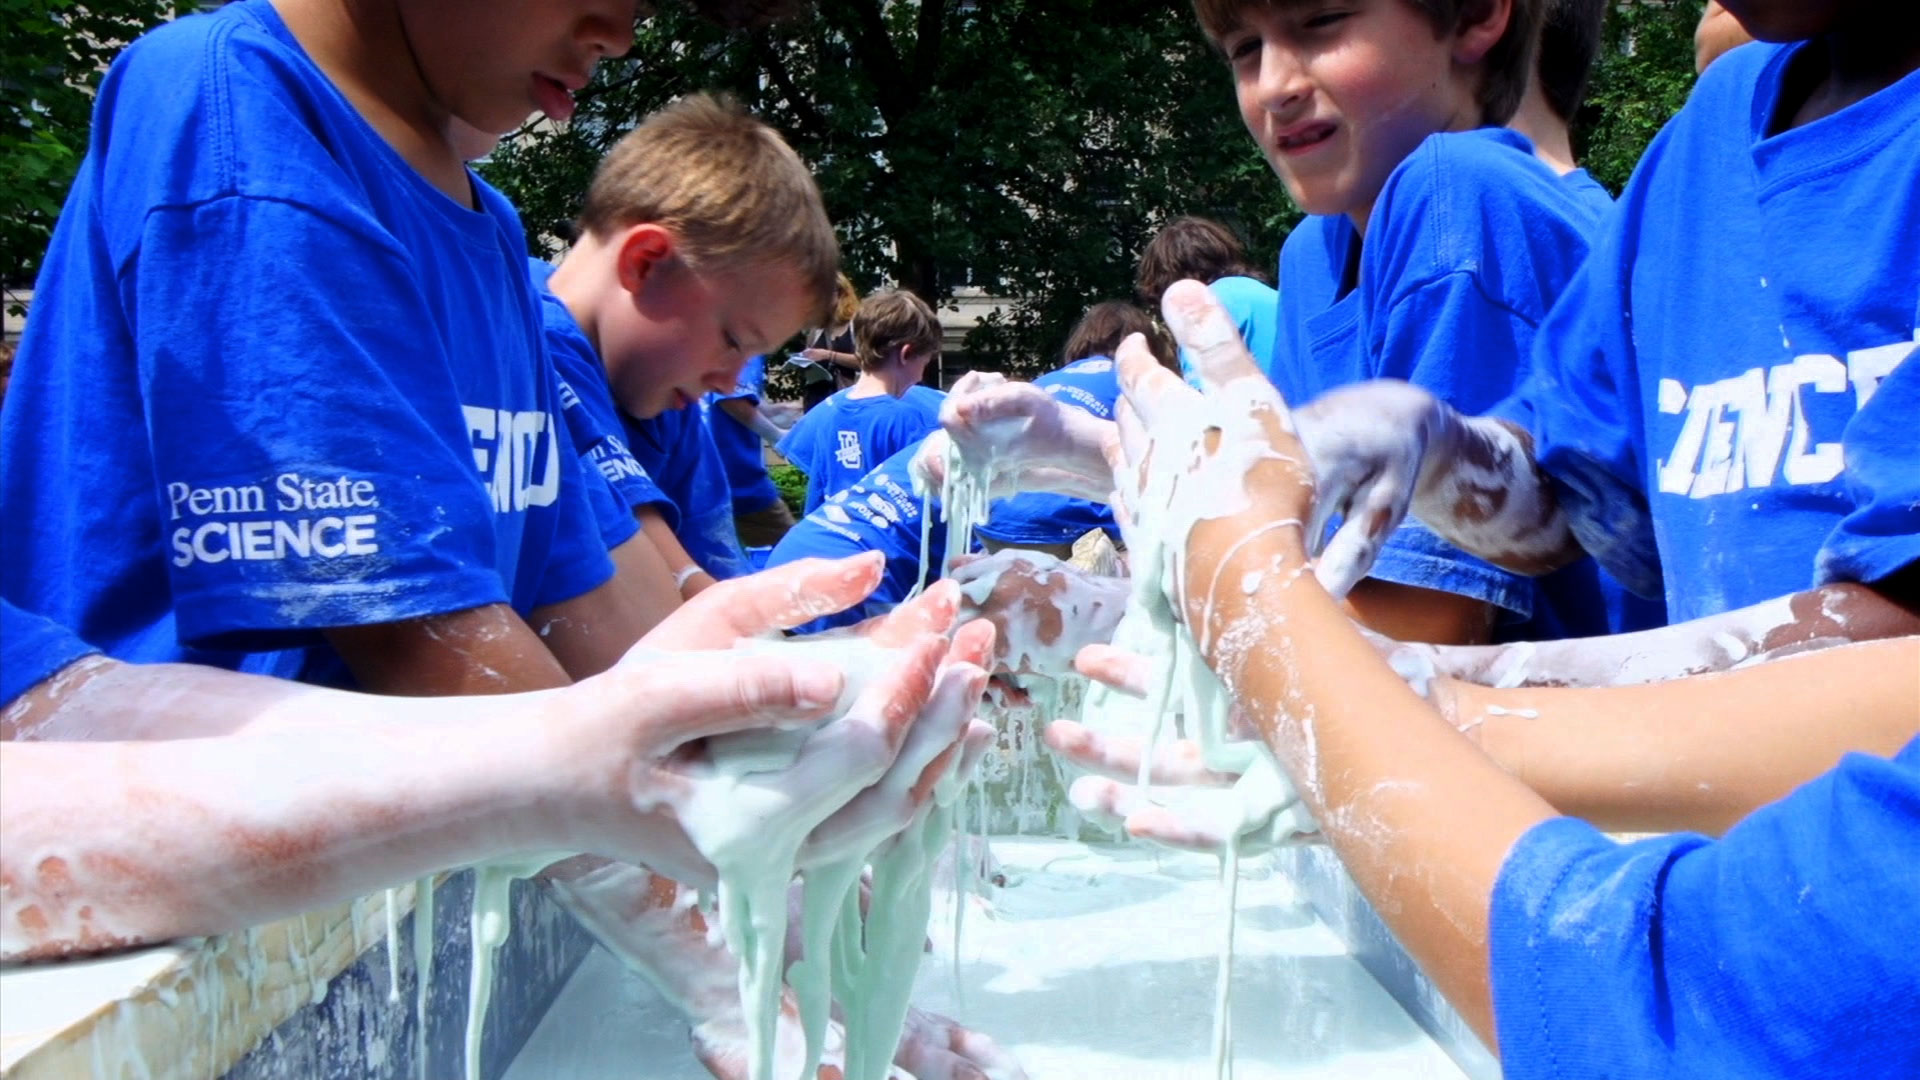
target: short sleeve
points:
(32, 649)
(1580, 403)
(284, 399)
(1424, 336)
(1881, 536)
(578, 560)
(1783, 949)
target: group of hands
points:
(914, 723)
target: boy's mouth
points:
(1301, 137)
(553, 98)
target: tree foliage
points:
(1024, 147)
(1642, 77)
(54, 57)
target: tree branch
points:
(775, 65)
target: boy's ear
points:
(1482, 24)
(643, 250)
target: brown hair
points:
(1505, 70)
(1106, 324)
(730, 189)
(1190, 247)
(1569, 40)
(891, 319)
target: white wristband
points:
(685, 575)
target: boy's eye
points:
(1241, 48)
(1324, 19)
(732, 344)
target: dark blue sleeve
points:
(1785, 949)
(1882, 451)
(32, 649)
(281, 378)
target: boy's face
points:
(683, 333)
(1337, 94)
(492, 63)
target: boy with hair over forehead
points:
(1435, 246)
(896, 336)
(1205, 250)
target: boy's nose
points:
(609, 31)
(1282, 84)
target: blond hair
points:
(728, 187)
(889, 320)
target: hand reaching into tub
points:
(1045, 610)
(1024, 438)
(1188, 805)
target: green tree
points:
(1026, 147)
(1641, 78)
(55, 54)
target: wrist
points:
(1227, 589)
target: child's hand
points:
(860, 776)
(1022, 438)
(1045, 610)
(1221, 474)
(1368, 443)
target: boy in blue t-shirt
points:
(1207, 251)
(896, 336)
(742, 432)
(879, 512)
(285, 335)
(1044, 521)
(1433, 254)
(700, 183)
(1690, 395)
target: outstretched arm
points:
(1695, 754)
(751, 418)
(1806, 621)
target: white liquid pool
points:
(1091, 962)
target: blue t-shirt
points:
(741, 448)
(1881, 535)
(1467, 247)
(1590, 192)
(1255, 310)
(274, 381)
(1691, 390)
(32, 649)
(617, 484)
(1090, 384)
(1784, 949)
(676, 449)
(842, 438)
(880, 513)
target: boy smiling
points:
(1435, 246)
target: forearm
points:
(115, 844)
(689, 577)
(1481, 491)
(591, 632)
(750, 417)
(102, 700)
(484, 650)
(1421, 818)
(1696, 754)
(1815, 619)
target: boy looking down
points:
(896, 336)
